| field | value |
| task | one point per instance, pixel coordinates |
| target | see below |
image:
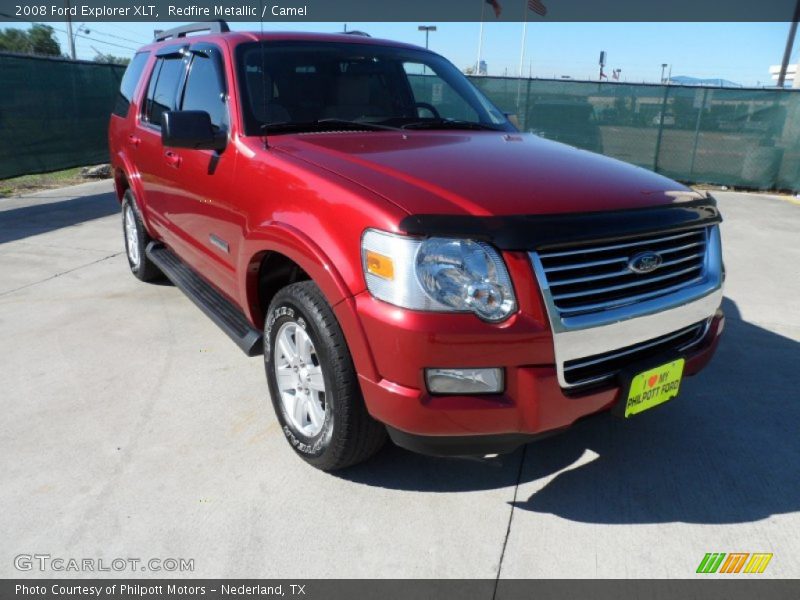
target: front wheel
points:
(313, 383)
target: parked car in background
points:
(405, 260)
(667, 121)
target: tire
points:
(330, 429)
(136, 240)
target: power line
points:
(64, 31)
(105, 42)
(114, 35)
(125, 29)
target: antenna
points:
(263, 71)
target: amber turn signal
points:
(380, 265)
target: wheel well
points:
(276, 272)
(120, 183)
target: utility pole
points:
(787, 53)
(427, 29)
(522, 44)
(480, 40)
(602, 63)
(70, 38)
(81, 29)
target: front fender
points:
(288, 240)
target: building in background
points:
(791, 75)
(704, 81)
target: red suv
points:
(405, 260)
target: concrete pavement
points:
(134, 428)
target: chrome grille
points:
(603, 367)
(604, 315)
(596, 277)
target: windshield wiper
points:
(359, 124)
(449, 124)
(287, 126)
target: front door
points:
(200, 201)
(155, 164)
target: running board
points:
(216, 306)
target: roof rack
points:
(179, 32)
(355, 32)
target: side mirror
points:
(191, 129)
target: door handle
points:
(134, 140)
(173, 159)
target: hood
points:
(482, 173)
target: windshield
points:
(305, 86)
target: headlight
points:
(437, 274)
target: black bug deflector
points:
(534, 232)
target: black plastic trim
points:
(217, 307)
(145, 107)
(218, 26)
(536, 232)
(176, 51)
(464, 445)
(214, 52)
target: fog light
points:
(464, 381)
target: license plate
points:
(653, 387)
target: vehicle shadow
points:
(27, 221)
(726, 451)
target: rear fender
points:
(124, 168)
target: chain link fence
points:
(727, 136)
(54, 115)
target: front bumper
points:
(534, 402)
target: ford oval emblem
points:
(644, 262)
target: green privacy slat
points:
(726, 136)
(54, 115)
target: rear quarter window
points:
(129, 81)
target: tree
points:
(39, 39)
(14, 40)
(43, 40)
(111, 59)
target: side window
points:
(128, 86)
(163, 89)
(205, 90)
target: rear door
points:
(122, 137)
